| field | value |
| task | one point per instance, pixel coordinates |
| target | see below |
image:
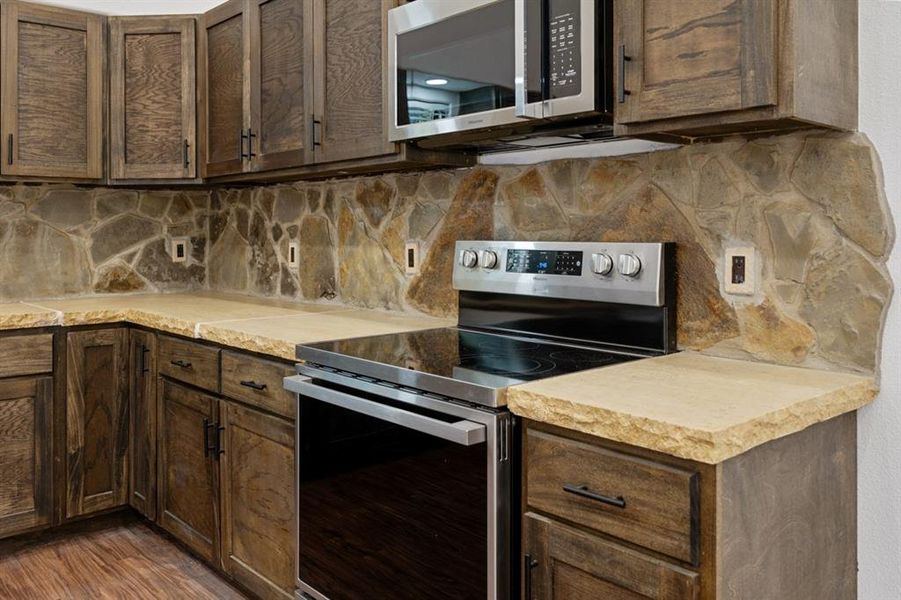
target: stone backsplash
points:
(60, 240)
(810, 203)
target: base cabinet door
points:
(257, 475)
(187, 469)
(25, 454)
(142, 428)
(563, 563)
(96, 420)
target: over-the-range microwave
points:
(492, 74)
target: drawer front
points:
(257, 382)
(189, 362)
(26, 355)
(637, 500)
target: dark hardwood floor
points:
(118, 557)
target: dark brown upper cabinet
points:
(152, 98)
(706, 68)
(52, 98)
(350, 78)
(96, 420)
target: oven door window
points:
(457, 66)
(388, 512)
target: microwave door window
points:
(458, 66)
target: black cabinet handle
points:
(250, 136)
(530, 564)
(583, 491)
(206, 437)
(219, 449)
(9, 150)
(144, 351)
(187, 154)
(316, 125)
(254, 385)
(623, 59)
(241, 154)
(181, 363)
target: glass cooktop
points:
(459, 363)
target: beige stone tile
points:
(692, 405)
(17, 315)
(278, 336)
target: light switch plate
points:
(740, 271)
(294, 255)
(411, 257)
(179, 248)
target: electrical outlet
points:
(179, 249)
(294, 255)
(741, 271)
(411, 258)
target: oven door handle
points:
(465, 433)
(523, 109)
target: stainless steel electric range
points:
(406, 454)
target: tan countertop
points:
(691, 405)
(259, 325)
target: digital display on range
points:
(549, 262)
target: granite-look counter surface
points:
(692, 405)
(270, 327)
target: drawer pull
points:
(253, 384)
(583, 491)
(181, 363)
(530, 564)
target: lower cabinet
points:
(96, 420)
(26, 496)
(188, 474)
(143, 415)
(257, 477)
(563, 563)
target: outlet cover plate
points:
(294, 255)
(411, 257)
(179, 248)
(740, 272)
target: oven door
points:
(397, 497)
(476, 64)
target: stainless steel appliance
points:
(508, 73)
(406, 455)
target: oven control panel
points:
(627, 273)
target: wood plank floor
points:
(116, 558)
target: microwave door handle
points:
(465, 433)
(523, 109)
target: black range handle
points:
(584, 492)
(184, 364)
(623, 59)
(254, 385)
(529, 564)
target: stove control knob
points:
(469, 259)
(601, 263)
(629, 265)
(489, 259)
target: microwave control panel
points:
(564, 28)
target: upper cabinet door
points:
(52, 100)
(280, 42)
(225, 52)
(694, 57)
(350, 62)
(152, 98)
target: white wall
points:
(137, 7)
(879, 425)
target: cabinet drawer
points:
(189, 362)
(26, 355)
(637, 500)
(257, 382)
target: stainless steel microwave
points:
(466, 65)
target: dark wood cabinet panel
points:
(696, 57)
(258, 382)
(350, 67)
(257, 474)
(26, 354)
(280, 44)
(96, 420)
(152, 98)
(225, 52)
(52, 98)
(188, 480)
(25, 454)
(191, 362)
(143, 429)
(563, 563)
